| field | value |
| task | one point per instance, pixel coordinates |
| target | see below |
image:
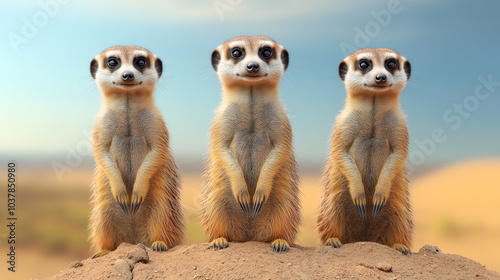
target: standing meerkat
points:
(251, 183)
(365, 194)
(135, 194)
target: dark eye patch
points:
(267, 53)
(364, 66)
(392, 65)
(141, 63)
(112, 63)
(236, 54)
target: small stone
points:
(76, 264)
(430, 250)
(434, 266)
(289, 264)
(156, 271)
(194, 267)
(384, 267)
(363, 243)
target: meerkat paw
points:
(360, 202)
(378, 202)
(280, 245)
(100, 254)
(334, 242)
(121, 199)
(401, 248)
(244, 200)
(159, 246)
(258, 201)
(219, 243)
(136, 202)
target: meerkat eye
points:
(266, 53)
(391, 64)
(363, 64)
(112, 62)
(236, 53)
(140, 62)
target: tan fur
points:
(251, 156)
(133, 162)
(366, 166)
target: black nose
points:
(381, 78)
(253, 67)
(128, 76)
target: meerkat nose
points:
(253, 67)
(128, 76)
(381, 78)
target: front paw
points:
(244, 200)
(378, 202)
(258, 200)
(360, 202)
(137, 199)
(100, 254)
(121, 199)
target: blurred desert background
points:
(455, 207)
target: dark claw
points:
(274, 248)
(224, 247)
(213, 246)
(281, 248)
(124, 207)
(257, 207)
(218, 246)
(361, 210)
(136, 206)
(377, 207)
(285, 249)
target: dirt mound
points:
(254, 260)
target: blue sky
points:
(49, 100)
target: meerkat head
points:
(246, 60)
(375, 71)
(125, 69)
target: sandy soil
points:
(254, 260)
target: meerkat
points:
(251, 191)
(365, 194)
(135, 194)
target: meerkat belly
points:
(129, 152)
(370, 155)
(251, 150)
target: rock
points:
(430, 250)
(138, 254)
(194, 267)
(123, 269)
(76, 264)
(384, 267)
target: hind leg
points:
(222, 217)
(334, 210)
(279, 217)
(399, 231)
(106, 220)
(162, 213)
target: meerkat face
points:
(375, 70)
(124, 69)
(250, 60)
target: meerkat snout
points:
(253, 67)
(380, 79)
(128, 76)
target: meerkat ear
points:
(407, 67)
(93, 67)
(284, 58)
(343, 70)
(215, 59)
(158, 67)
